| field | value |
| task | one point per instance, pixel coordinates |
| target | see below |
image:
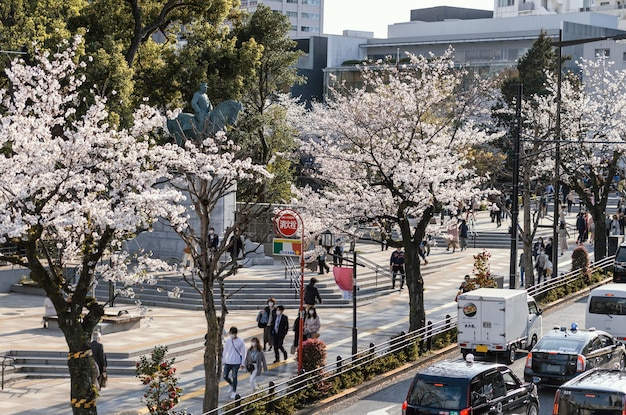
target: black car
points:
(598, 391)
(469, 388)
(619, 264)
(562, 354)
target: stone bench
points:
(108, 324)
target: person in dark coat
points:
(213, 240)
(235, 250)
(581, 227)
(280, 329)
(99, 357)
(311, 294)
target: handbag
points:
(102, 380)
(293, 349)
(250, 367)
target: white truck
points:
(497, 320)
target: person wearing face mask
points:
(213, 240)
(233, 358)
(270, 311)
(279, 331)
(311, 324)
(256, 358)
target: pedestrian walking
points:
(581, 227)
(453, 236)
(100, 360)
(338, 254)
(570, 201)
(563, 235)
(271, 317)
(236, 249)
(233, 356)
(383, 239)
(311, 324)
(213, 240)
(296, 334)
(279, 331)
(255, 362)
(463, 232)
(396, 265)
(321, 259)
(311, 294)
(187, 259)
(540, 265)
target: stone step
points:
(47, 364)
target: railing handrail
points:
(368, 263)
(292, 273)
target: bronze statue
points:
(205, 119)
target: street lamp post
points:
(515, 201)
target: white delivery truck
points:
(606, 310)
(497, 320)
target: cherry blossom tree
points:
(396, 149)
(206, 171)
(593, 142)
(72, 189)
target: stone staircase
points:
(245, 293)
(35, 364)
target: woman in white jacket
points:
(311, 323)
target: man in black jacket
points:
(99, 357)
(279, 331)
(311, 294)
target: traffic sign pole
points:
(286, 224)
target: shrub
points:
(313, 354)
(580, 261)
(163, 391)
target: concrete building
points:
(306, 16)
(483, 43)
(514, 8)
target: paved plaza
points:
(378, 319)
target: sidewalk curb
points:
(575, 296)
(366, 386)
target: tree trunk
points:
(415, 284)
(212, 352)
(412, 269)
(81, 365)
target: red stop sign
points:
(287, 225)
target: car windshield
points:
(560, 344)
(608, 305)
(590, 403)
(434, 393)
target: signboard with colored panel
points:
(287, 247)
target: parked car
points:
(597, 391)
(619, 264)
(469, 388)
(562, 354)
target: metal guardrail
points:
(423, 337)
(378, 269)
(564, 279)
(292, 273)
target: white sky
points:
(375, 15)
